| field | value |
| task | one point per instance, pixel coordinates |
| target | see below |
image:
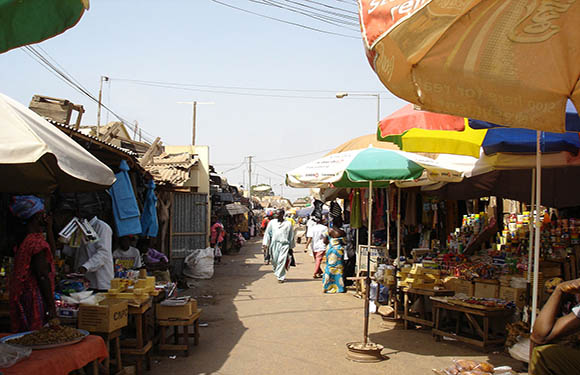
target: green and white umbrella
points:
(369, 167)
(32, 21)
(374, 167)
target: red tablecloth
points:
(60, 361)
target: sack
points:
(199, 264)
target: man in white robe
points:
(279, 239)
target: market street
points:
(257, 326)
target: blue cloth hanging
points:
(125, 208)
(149, 221)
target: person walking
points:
(278, 241)
(317, 234)
(333, 281)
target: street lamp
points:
(194, 103)
(341, 95)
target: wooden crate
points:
(108, 316)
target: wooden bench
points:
(193, 320)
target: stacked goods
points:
(137, 290)
(389, 276)
(421, 276)
(468, 367)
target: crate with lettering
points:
(108, 316)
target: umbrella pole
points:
(388, 220)
(398, 224)
(368, 278)
(538, 227)
(532, 224)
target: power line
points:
(232, 87)
(270, 171)
(193, 88)
(295, 156)
(287, 22)
(67, 78)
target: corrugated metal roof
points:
(73, 129)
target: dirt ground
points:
(257, 326)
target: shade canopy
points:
(559, 186)
(507, 62)
(36, 157)
(475, 135)
(32, 21)
(357, 167)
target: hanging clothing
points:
(27, 310)
(149, 222)
(125, 208)
(380, 208)
(279, 237)
(332, 281)
(355, 210)
(411, 210)
(364, 204)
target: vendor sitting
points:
(155, 261)
(126, 256)
(550, 358)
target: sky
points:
(203, 43)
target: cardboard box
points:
(176, 312)
(108, 316)
(517, 295)
(459, 286)
(486, 289)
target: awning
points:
(233, 209)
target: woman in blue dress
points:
(332, 281)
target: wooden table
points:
(176, 323)
(480, 334)
(410, 295)
(115, 338)
(141, 345)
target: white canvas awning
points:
(36, 157)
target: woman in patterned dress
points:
(32, 279)
(332, 281)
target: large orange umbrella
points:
(513, 63)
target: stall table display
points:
(411, 295)
(481, 335)
(62, 360)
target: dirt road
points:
(257, 326)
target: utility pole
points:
(250, 178)
(194, 116)
(194, 103)
(106, 79)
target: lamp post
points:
(341, 95)
(194, 103)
